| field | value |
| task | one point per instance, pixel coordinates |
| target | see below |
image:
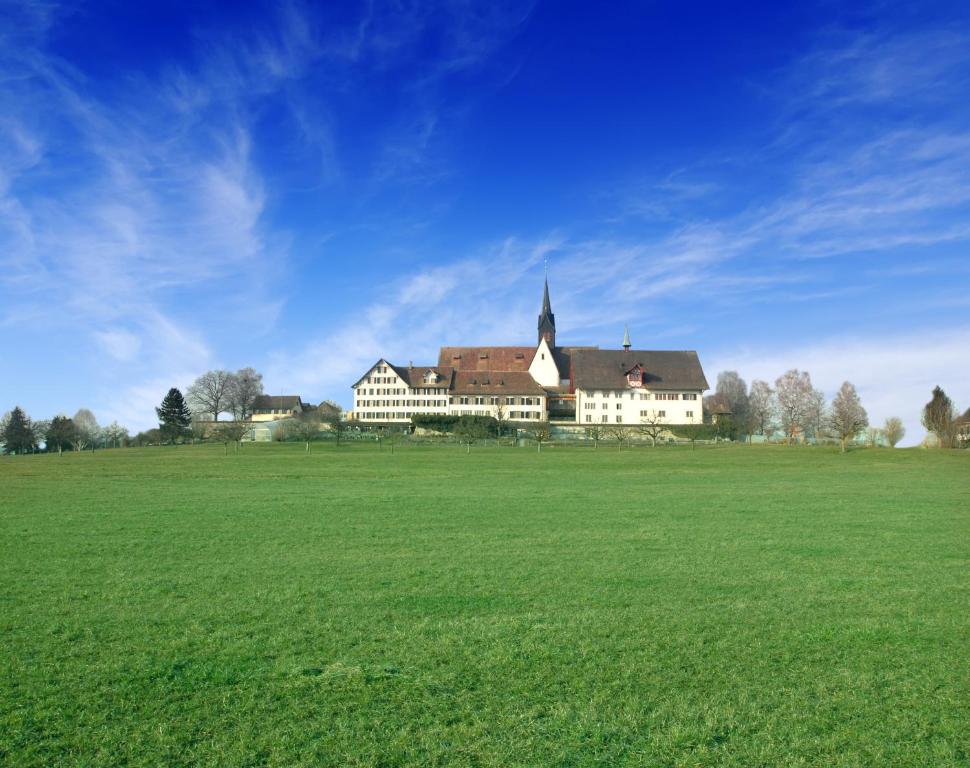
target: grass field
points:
(747, 606)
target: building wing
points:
(607, 369)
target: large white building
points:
(581, 385)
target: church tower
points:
(547, 320)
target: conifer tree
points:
(18, 436)
(174, 416)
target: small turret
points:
(626, 338)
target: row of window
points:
(605, 419)
(411, 403)
(483, 400)
(647, 395)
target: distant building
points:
(274, 407)
(579, 385)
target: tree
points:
(939, 417)
(693, 431)
(86, 429)
(18, 434)
(894, 430)
(230, 432)
(816, 416)
(734, 392)
(847, 416)
(114, 435)
(209, 394)
(793, 393)
(174, 416)
(619, 433)
(540, 432)
(306, 426)
(501, 415)
(243, 389)
(652, 425)
(332, 415)
(761, 407)
(594, 433)
(60, 434)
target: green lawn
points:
(746, 606)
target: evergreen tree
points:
(939, 417)
(174, 416)
(18, 436)
(60, 434)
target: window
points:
(463, 401)
(690, 396)
(479, 401)
(690, 414)
(510, 401)
(605, 406)
(588, 417)
(589, 406)
(619, 406)
(661, 414)
(605, 418)
(619, 419)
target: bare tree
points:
(761, 406)
(332, 415)
(652, 425)
(939, 417)
(246, 385)
(230, 432)
(85, 429)
(540, 432)
(619, 433)
(114, 435)
(816, 415)
(209, 394)
(793, 393)
(306, 426)
(894, 430)
(734, 392)
(692, 431)
(872, 436)
(848, 416)
(594, 433)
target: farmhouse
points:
(566, 384)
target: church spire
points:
(626, 338)
(547, 320)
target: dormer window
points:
(634, 377)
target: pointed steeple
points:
(547, 320)
(626, 338)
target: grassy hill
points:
(735, 606)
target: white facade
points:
(635, 404)
(382, 395)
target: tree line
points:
(796, 409)
(21, 434)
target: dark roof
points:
(276, 402)
(607, 369)
(413, 375)
(486, 358)
(496, 383)
(964, 420)
(561, 356)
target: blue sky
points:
(305, 189)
